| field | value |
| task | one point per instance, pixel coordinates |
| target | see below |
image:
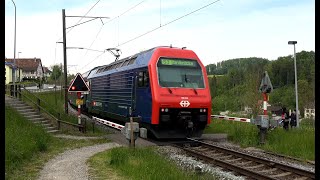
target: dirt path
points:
(71, 164)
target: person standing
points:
(285, 118)
(293, 121)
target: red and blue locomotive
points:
(164, 89)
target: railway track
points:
(243, 164)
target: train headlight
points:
(166, 110)
(200, 110)
(204, 110)
(162, 110)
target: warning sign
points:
(79, 101)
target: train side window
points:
(140, 79)
(143, 79)
(146, 78)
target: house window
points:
(32, 72)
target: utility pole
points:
(14, 54)
(65, 51)
(65, 61)
(295, 79)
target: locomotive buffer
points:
(79, 86)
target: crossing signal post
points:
(263, 120)
(79, 86)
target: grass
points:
(28, 147)
(298, 143)
(241, 133)
(22, 139)
(54, 103)
(139, 163)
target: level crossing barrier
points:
(231, 118)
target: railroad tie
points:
(257, 166)
(224, 157)
(243, 163)
(232, 160)
(281, 175)
(301, 178)
(217, 154)
(267, 170)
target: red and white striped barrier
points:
(108, 123)
(231, 118)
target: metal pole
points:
(14, 54)
(265, 99)
(55, 90)
(79, 110)
(65, 61)
(296, 84)
(19, 70)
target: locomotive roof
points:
(137, 60)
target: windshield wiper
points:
(195, 91)
(165, 85)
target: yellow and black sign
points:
(79, 101)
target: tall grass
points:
(138, 163)
(244, 134)
(23, 139)
(299, 142)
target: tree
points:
(305, 95)
(56, 72)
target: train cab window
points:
(180, 73)
(143, 79)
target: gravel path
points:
(71, 164)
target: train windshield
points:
(182, 73)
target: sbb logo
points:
(184, 103)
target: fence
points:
(39, 105)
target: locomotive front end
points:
(181, 97)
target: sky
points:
(215, 30)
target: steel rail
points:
(273, 164)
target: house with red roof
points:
(31, 67)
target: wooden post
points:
(85, 126)
(19, 90)
(92, 126)
(38, 100)
(59, 118)
(131, 127)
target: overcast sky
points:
(223, 30)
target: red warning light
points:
(73, 87)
